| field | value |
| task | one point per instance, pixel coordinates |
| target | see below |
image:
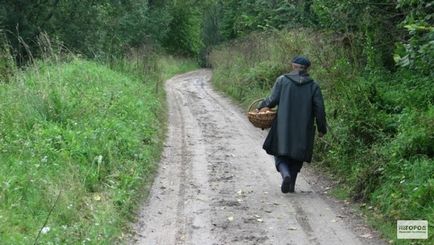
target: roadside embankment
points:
(78, 142)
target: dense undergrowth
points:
(78, 143)
(381, 141)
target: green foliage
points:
(95, 28)
(378, 34)
(417, 52)
(380, 144)
(373, 32)
(87, 132)
(174, 65)
(370, 27)
(242, 17)
(7, 64)
(185, 28)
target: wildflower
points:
(45, 230)
(44, 159)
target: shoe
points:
(286, 185)
(293, 179)
(286, 177)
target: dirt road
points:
(217, 186)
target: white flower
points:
(99, 159)
(44, 159)
(45, 230)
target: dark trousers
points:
(293, 165)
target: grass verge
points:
(78, 142)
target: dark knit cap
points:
(301, 60)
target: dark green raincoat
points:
(299, 101)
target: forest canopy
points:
(381, 33)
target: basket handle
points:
(253, 103)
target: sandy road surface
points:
(217, 186)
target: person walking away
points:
(291, 137)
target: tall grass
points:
(380, 145)
(78, 143)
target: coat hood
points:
(299, 78)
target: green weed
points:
(86, 133)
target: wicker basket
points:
(261, 120)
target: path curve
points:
(216, 185)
